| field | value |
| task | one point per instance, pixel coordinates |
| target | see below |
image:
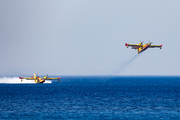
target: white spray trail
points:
(16, 80)
(124, 65)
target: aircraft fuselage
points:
(39, 80)
(141, 49)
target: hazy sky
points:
(87, 37)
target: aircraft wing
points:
(155, 46)
(134, 46)
(27, 78)
(52, 78)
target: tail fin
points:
(34, 75)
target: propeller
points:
(150, 42)
(141, 42)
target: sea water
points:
(93, 97)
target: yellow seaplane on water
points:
(38, 79)
(140, 47)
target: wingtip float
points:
(38, 79)
(140, 47)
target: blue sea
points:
(93, 97)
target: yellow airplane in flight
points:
(38, 79)
(140, 47)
